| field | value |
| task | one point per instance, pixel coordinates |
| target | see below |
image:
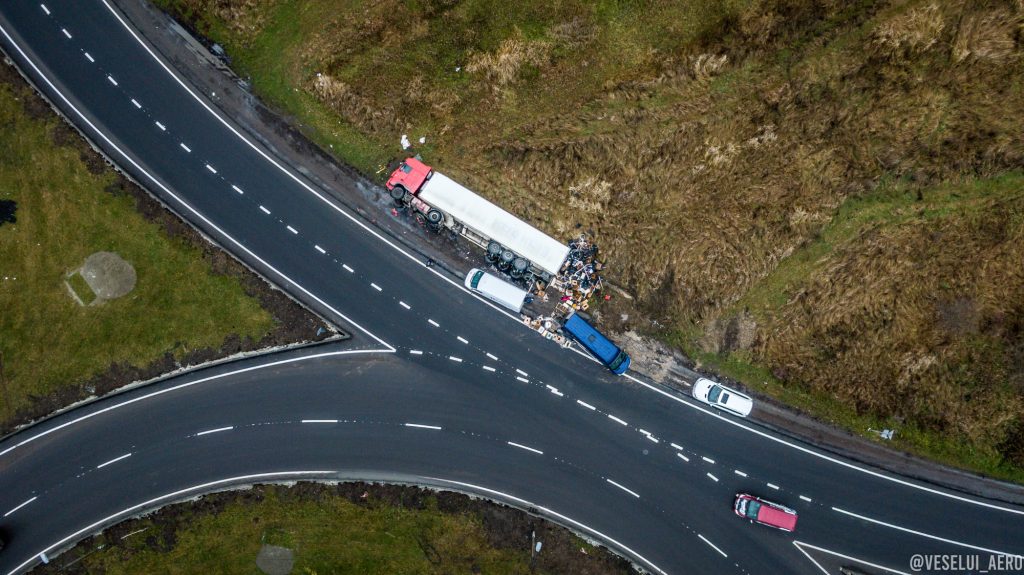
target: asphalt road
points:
(650, 473)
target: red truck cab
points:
(408, 177)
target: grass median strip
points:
(69, 206)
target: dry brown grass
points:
(703, 143)
(503, 66)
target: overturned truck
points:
(514, 246)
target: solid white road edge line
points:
(529, 504)
(460, 286)
(520, 446)
(923, 534)
(145, 504)
(114, 460)
(822, 456)
(713, 546)
(184, 385)
(171, 194)
(629, 491)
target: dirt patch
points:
(294, 323)
(505, 527)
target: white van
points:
(496, 290)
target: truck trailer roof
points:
(485, 218)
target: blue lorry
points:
(601, 347)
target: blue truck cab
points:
(597, 344)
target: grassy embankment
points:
(64, 214)
(327, 533)
(769, 154)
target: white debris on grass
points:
(406, 144)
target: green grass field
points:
(327, 535)
(64, 214)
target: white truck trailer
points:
(512, 244)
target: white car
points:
(717, 395)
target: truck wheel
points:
(397, 192)
(493, 251)
(434, 217)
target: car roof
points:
(770, 513)
(737, 401)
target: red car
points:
(765, 512)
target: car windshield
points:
(752, 508)
(713, 393)
(407, 168)
(617, 361)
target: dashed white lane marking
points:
(293, 230)
(89, 57)
(162, 127)
(20, 506)
(184, 147)
(237, 189)
(616, 419)
(45, 9)
(218, 430)
(318, 248)
(676, 447)
(211, 168)
(319, 421)
(653, 439)
(403, 304)
(555, 391)
(522, 379)
(66, 33)
(683, 457)
(266, 211)
(136, 104)
(629, 491)
(433, 323)
(712, 477)
(712, 545)
(773, 486)
(348, 269)
(494, 357)
(708, 459)
(455, 359)
(805, 498)
(585, 404)
(114, 460)
(415, 352)
(421, 426)
(488, 368)
(376, 287)
(740, 473)
(522, 373)
(462, 339)
(923, 534)
(112, 80)
(537, 451)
